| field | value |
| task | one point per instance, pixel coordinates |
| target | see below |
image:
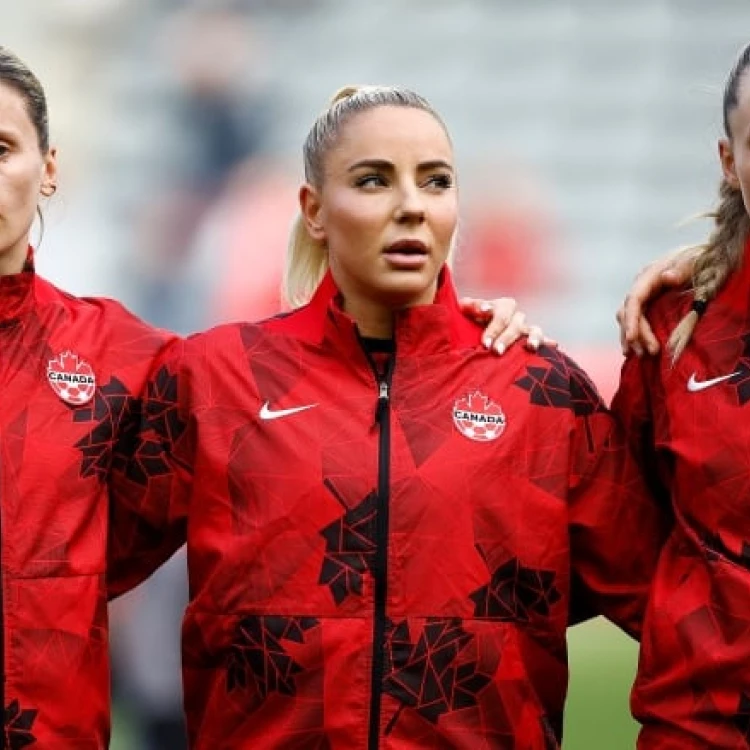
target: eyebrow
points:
(8, 134)
(388, 166)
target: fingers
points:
(499, 312)
(509, 334)
(478, 310)
(534, 338)
(636, 333)
(506, 324)
(648, 338)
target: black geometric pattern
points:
(426, 676)
(563, 385)
(18, 724)
(741, 719)
(716, 549)
(113, 410)
(516, 593)
(350, 546)
(161, 427)
(741, 379)
(257, 653)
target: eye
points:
(3, 150)
(442, 181)
(371, 180)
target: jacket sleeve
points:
(616, 526)
(638, 405)
(151, 476)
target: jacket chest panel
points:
(299, 495)
(54, 457)
(703, 427)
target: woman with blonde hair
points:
(385, 523)
(70, 371)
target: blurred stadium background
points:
(585, 132)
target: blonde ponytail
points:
(306, 265)
(307, 259)
(719, 257)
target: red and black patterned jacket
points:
(692, 423)
(381, 561)
(68, 368)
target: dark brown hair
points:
(14, 73)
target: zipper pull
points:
(383, 397)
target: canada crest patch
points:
(479, 418)
(71, 378)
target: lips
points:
(407, 247)
(407, 254)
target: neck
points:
(373, 321)
(12, 259)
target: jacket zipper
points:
(380, 564)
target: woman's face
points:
(387, 208)
(735, 153)
(25, 172)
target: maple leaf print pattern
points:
(258, 653)
(18, 724)
(160, 428)
(113, 410)
(562, 385)
(424, 675)
(516, 592)
(350, 546)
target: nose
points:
(410, 206)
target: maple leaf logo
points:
(429, 676)
(68, 362)
(515, 592)
(478, 402)
(71, 378)
(477, 417)
(258, 654)
(350, 546)
(17, 726)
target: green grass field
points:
(602, 666)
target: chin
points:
(398, 293)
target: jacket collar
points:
(733, 296)
(17, 291)
(425, 329)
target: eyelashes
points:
(441, 181)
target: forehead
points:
(14, 114)
(401, 131)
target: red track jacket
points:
(381, 561)
(68, 367)
(691, 423)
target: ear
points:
(49, 174)
(311, 208)
(726, 156)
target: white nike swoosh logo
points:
(700, 385)
(266, 413)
